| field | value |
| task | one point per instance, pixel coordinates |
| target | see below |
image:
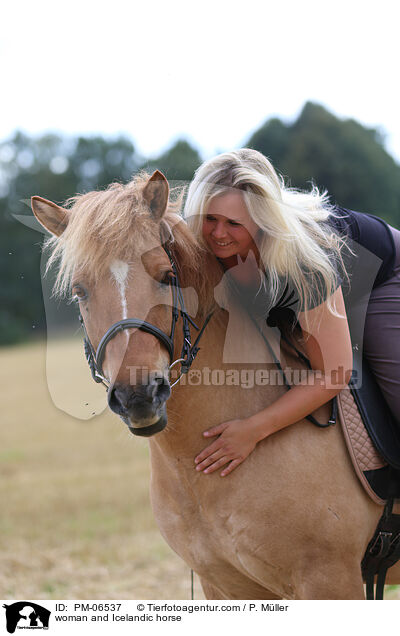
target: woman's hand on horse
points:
(237, 439)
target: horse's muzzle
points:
(150, 429)
(142, 407)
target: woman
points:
(295, 254)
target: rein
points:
(272, 323)
(95, 358)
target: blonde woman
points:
(291, 252)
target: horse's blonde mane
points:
(116, 223)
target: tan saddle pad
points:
(363, 453)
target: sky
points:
(211, 71)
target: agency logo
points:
(26, 615)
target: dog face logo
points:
(26, 615)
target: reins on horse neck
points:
(283, 302)
(310, 418)
(189, 351)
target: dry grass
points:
(75, 513)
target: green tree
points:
(178, 163)
(344, 157)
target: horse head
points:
(111, 249)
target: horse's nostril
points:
(118, 399)
(141, 400)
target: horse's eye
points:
(78, 293)
(166, 277)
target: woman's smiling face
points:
(227, 227)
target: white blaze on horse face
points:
(119, 271)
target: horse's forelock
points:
(116, 224)
(104, 225)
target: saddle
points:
(371, 434)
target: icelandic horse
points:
(292, 521)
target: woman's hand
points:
(237, 439)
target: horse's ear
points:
(155, 193)
(50, 215)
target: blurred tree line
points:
(343, 157)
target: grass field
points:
(75, 514)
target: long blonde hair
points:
(296, 244)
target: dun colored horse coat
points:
(292, 521)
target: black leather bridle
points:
(95, 358)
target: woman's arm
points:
(328, 347)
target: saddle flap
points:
(379, 421)
(371, 435)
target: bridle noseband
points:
(189, 351)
